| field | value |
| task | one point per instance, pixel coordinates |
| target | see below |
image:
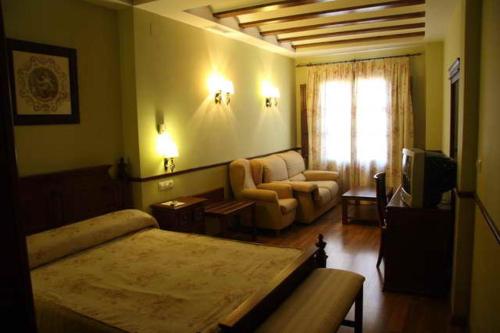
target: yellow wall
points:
(418, 74)
(433, 95)
(485, 293)
(173, 62)
(93, 32)
(453, 47)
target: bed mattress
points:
(153, 281)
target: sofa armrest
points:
(304, 187)
(284, 190)
(260, 195)
(312, 175)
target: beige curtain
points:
(359, 118)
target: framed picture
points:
(44, 83)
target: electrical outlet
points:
(165, 185)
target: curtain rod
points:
(357, 60)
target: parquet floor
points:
(354, 247)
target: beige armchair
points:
(316, 191)
(275, 204)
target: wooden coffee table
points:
(355, 195)
(225, 210)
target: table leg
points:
(344, 211)
(224, 224)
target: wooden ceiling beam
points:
(353, 32)
(375, 19)
(266, 7)
(333, 12)
(359, 40)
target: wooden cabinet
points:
(188, 217)
(418, 248)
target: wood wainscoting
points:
(209, 166)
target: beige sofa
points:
(316, 191)
(275, 204)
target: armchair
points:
(275, 204)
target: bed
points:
(118, 272)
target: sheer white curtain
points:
(359, 119)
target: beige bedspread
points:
(158, 281)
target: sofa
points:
(275, 205)
(316, 191)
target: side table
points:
(225, 210)
(188, 217)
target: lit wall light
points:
(167, 148)
(271, 94)
(220, 88)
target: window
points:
(371, 120)
(355, 122)
(336, 124)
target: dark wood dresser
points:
(418, 248)
(188, 217)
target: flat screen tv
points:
(426, 175)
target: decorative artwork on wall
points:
(44, 83)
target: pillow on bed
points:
(53, 244)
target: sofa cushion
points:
(324, 195)
(287, 205)
(298, 178)
(274, 169)
(332, 186)
(294, 163)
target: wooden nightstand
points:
(189, 217)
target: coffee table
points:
(225, 210)
(355, 195)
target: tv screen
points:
(406, 181)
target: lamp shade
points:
(166, 146)
(268, 90)
(228, 87)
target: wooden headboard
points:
(51, 200)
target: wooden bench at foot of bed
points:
(320, 304)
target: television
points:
(426, 175)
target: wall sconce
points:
(221, 89)
(167, 148)
(271, 94)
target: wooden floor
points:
(354, 247)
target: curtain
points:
(359, 118)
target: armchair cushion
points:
(312, 175)
(287, 205)
(274, 169)
(294, 163)
(284, 190)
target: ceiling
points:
(311, 27)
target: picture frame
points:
(44, 83)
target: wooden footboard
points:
(254, 310)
